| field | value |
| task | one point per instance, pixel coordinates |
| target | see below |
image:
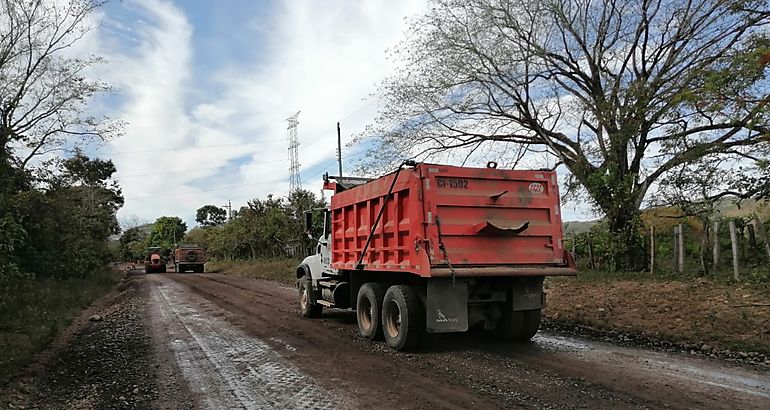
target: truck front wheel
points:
(403, 318)
(369, 310)
(306, 306)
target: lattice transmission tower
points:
(295, 183)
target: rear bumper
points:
(504, 271)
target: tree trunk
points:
(704, 244)
(752, 237)
(627, 246)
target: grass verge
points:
(278, 270)
(33, 311)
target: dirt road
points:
(180, 341)
(239, 343)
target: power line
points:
(196, 169)
(192, 148)
(222, 188)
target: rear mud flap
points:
(446, 307)
(528, 294)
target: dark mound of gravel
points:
(108, 365)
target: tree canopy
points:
(621, 92)
(57, 212)
(210, 215)
(273, 226)
(167, 231)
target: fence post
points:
(734, 243)
(716, 244)
(676, 247)
(762, 234)
(591, 262)
(574, 240)
(652, 249)
(680, 246)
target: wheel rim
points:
(303, 299)
(393, 319)
(365, 314)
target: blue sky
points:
(207, 87)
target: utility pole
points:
(294, 179)
(339, 148)
(229, 207)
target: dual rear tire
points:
(395, 314)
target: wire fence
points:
(728, 246)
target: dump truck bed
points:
(492, 222)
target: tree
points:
(622, 92)
(68, 223)
(133, 243)
(43, 92)
(210, 215)
(696, 190)
(167, 231)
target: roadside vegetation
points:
(57, 205)
(277, 270)
(34, 310)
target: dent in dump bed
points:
(492, 222)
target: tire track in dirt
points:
(447, 376)
(227, 368)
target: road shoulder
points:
(104, 360)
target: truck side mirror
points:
(308, 223)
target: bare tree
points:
(621, 92)
(43, 91)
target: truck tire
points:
(530, 325)
(306, 307)
(403, 318)
(518, 325)
(369, 310)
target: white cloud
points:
(322, 58)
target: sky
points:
(205, 88)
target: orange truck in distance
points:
(437, 248)
(189, 258)
(154, 262)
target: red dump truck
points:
(437, 248)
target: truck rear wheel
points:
(530, 325)
(518, 325)
(306, 306)
(403, 318)
(369, 310)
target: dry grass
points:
(278, 270)
(699, 311)
(33, 311)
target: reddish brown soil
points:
(698, 312)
